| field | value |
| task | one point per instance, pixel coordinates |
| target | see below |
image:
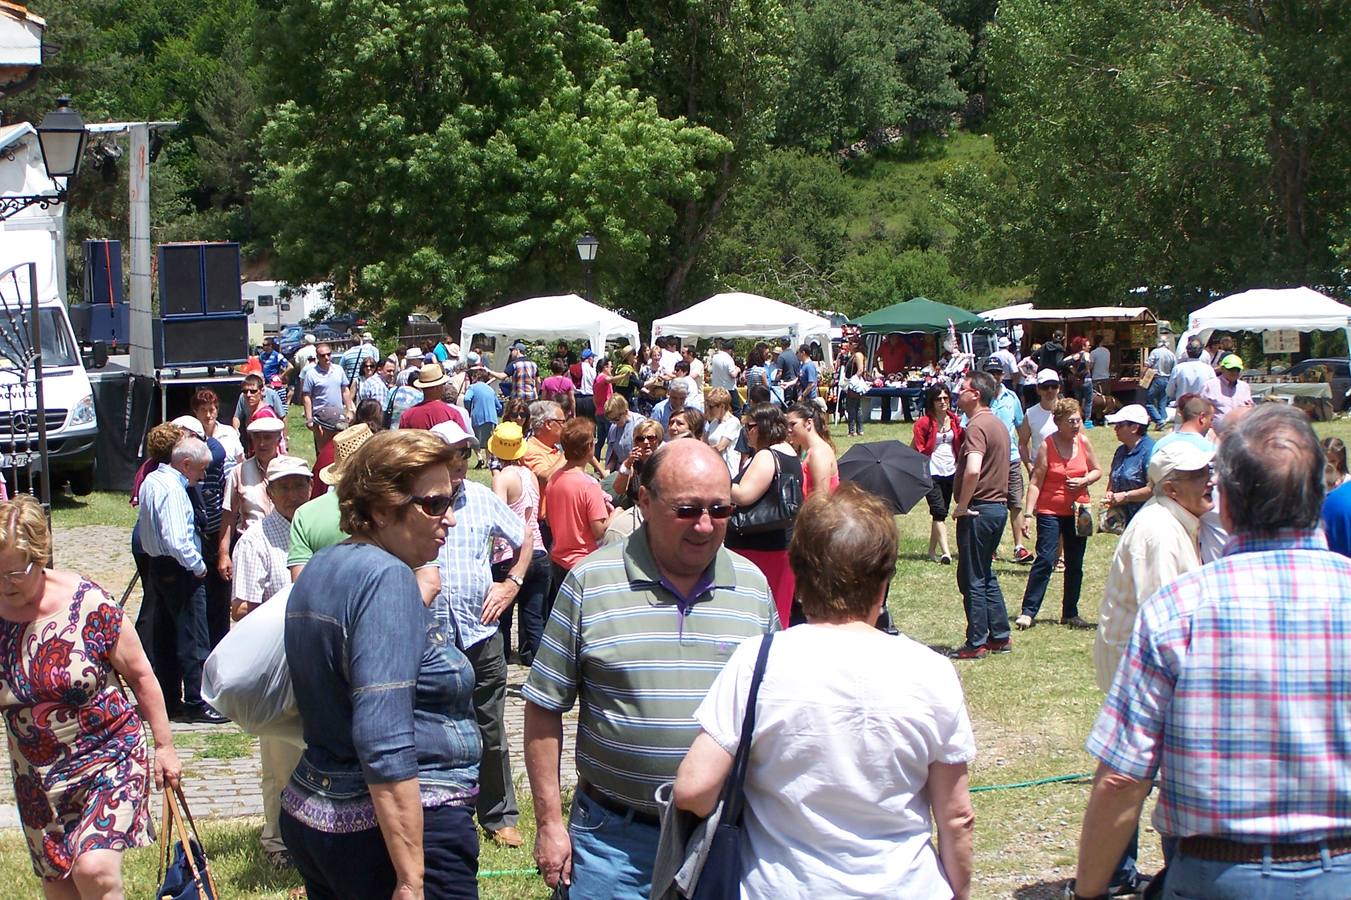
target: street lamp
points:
(61, 138)
(586, 251)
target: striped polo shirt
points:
(641, 658)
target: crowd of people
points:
(652, 521)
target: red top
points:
(429, 413)
(1055, 499)
(574, 500)
(602, 389)
(926, 433)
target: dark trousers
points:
(179, 625)
(602, 434)
(978, 537)
(531, 601)
(1050, 529)
(217, 593)
(556, 575)
(356, 866)
(496, 791)
(853, 412)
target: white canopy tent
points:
(1026, 312)
(566, 317)
(1270, 309)
(738, 315)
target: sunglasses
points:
(324, 355)
(716, 511)
(646, 439)
(434, 505)
(250, 390)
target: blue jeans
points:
(357, 866)
(1328, 878)
(531, 600)
(977, 539)
(853, 412)
(1050, 529)
(1156, 400)
(612, 855)
(1125, 869)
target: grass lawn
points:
(1031, 709)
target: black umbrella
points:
(889, 469)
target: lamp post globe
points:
(61, 137)
(586, 251)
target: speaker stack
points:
(202, 320)
(104, 314)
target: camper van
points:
(68, 398)
(272, 305)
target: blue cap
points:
(587, 353)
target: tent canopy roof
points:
(566, 317)
(1270, 309)
(1026, 312)
(738, 315)
(918, 314)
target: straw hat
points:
(345, 443)
(507, 441)
(429, 376)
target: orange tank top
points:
(1055, 498)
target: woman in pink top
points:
(576, 508)
(519, 489)
(1064, 470)
(810, 436)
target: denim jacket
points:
(383, 693)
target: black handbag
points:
(777, 507)
(185, 872)
(720, 878)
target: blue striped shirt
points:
(165, 519)
(465, 560)
(641, 659)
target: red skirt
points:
(782, 583)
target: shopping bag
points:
(184, 871)
(246, 678)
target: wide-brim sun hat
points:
(507, 442)
(345, 443)
(429, 376)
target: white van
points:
(68, 398)
(275, 304)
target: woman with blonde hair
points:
(81, 772)
(382, 801)
(723, 428)
(861, 739)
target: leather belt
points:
(617, 807)
(1223, 850)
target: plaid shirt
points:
(525, 379)
(465, 560)
(260, 559)
(1237, 683)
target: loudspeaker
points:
(101, 322)
(103, 272)
(199, 279)
(223, 289)
(201, 341)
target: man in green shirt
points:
(638, 632)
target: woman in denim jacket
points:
(382, 802)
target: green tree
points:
(880, 276)
(861, 67)
(441, 154)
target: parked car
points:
(420, 327)
(1339, 376)
(345, 322)
(289, 343)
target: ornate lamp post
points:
(61, 137)
(586, 251)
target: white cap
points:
(265, 423)
(191, 423)
(309, 339)
(451, 432)
(413, 353)
(1133, 413)
(1003, 343)
(285, 466)
(367, 336)
(1046, 376)
(1178, 456)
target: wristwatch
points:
(520, 582)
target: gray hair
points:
(190, 449)
(679, 388)
(541, 411)
(1270, 471)
(984, 385)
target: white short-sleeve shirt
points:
(848, 722)
(1042, 426)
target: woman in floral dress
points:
(77, 745)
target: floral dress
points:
(79, 754)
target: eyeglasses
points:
(434, 505)
(715, 511)
(646, 439)
(16, 576)
(250, 390)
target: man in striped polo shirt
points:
(639, 631)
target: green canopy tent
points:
(918, 315)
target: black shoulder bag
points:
(777, 507)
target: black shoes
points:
(200, 715)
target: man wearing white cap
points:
(1128, 484)
(469, 605)
(260, 574)
(1158, 546)
(412, 364)
(1008, 363)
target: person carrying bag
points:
(185, 873)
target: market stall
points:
(738, 315)
(566, 317)
(1128, 332)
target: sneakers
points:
(945, 559)
(1078, 622)
(1134, 888)
(1060, 565)
(1004, 646)
(1023, 622)
(965, 652)
(1023, 556)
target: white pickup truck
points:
(68, 406)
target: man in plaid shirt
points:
(1237, 684)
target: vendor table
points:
(1318, 390)
(903, 397)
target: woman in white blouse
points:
(861, 738)
(722, 428)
